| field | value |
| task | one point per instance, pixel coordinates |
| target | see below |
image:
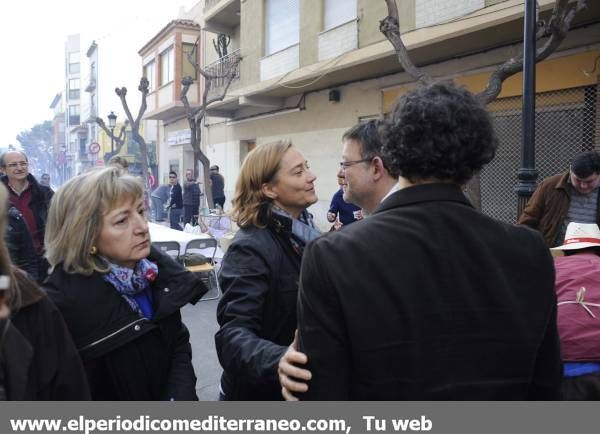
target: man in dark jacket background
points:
(191, 198)
(465, 306)
(218, 186)
(27, 195)
(175, 202)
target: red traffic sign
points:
(94, 148)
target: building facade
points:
(311, 69)
(165, 62)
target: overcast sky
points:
(33, 35)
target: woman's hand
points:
(292, 378)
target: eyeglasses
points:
(172, 177)
(345, 164)
(18, 163)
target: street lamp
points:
(112, 123)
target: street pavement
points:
(202, 324)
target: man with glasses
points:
(27, 195)
(564, 198)
(366, 179)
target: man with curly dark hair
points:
(428, 299)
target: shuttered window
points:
(282, 24)
(338, 12)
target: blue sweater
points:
(345, 211)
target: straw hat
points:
(580, 236)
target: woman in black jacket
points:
(259, 274)
(120, 299)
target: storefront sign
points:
(178, 137)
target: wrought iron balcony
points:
(221, 69)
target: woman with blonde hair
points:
(38, 360)
(259, 274)
(120, 298)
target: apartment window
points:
(282, 24)
(149, 74)
(74, 88)
(187, 68)
(166, 66)
(74, 62)
(74, 114)
(338, 12)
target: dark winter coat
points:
(429, 299)
(20, 244)
(175, 197)
(257, 313)
(127, 356)
(217, 184)
(191, 193)
(38, 355)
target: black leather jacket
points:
(257, 313)
(127, 356)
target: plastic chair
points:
(171, 248)
(208, 248)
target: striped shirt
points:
(582, 209)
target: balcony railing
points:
(221, 68)
(210, 3)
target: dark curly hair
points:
(438, 132)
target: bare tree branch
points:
(390, 27)
(191, 56)
(118, 140)
(195, 115)
(556, 29)
(135, 126)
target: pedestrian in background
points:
(217, 184)
(191, 198)
(568, 197)
(45, 180)
(120, 298)
(341, 212)
(175, 205)
(160, 197)
(30, 198)
(259, 273)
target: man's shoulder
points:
(554, 181)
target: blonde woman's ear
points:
(269, 191)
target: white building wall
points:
(280, 62)
(429, 12)
(338, 40)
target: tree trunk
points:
(200, 157)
